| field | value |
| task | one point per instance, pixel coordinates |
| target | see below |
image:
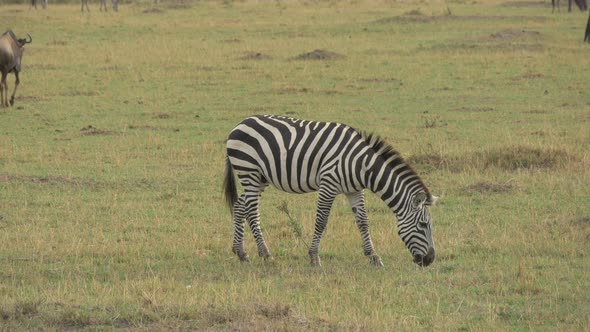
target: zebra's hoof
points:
(268, 259)
(375, 260)
(263, 252)
(241, 254)
(315, 261)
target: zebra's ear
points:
(419, 200)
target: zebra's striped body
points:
(299, 156)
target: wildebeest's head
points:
(14, 46)
(23, 41)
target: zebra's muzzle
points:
(425, 260)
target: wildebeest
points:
(556, 3)
(85, 3)
(34, 4)
(583, 5)
(580, 3)
(11, 54)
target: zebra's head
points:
(415, 228)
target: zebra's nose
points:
(425, 260)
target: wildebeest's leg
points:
(357, 203)
(103, 3)
(115, 5)
(16, 83)
(325, 200)
(587, 34)
(238, 244)
(3, 90)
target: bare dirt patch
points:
(90, 130)
(295, 90)
(49, 180)
(153, 10)
(162, 116)
(488, 187)
(275, 316)
(514, 33)
(290, 90)
(276, 311)
(146, 127)
(381, 80)
(475, 109)
(57, 43)
(508, 159)
(430, 160)
(42, 66)
(410, 18)
(320, 54)
(535, 111)
(255, 56)
(523, 157)
(231, 41)
(524, 4)
(490, 44)
(583, 221)
(528, 76)
(77, 93)
(417, 17)
(29, 98)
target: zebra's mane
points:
(384, 150)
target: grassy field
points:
(111, 164)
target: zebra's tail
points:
(229, 185)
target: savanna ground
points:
(111, 163)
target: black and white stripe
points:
(300, 156)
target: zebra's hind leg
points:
(357, 202)
(325, 200)
(251, 201)
(238, 244)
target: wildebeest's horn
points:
(30, 39)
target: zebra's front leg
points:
(238, 244)
(357, 202)
(251, 201)
(326, 198)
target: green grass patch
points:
(111, 166)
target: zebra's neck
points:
(389, 176)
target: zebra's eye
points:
(423, 225)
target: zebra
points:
(300, 156)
